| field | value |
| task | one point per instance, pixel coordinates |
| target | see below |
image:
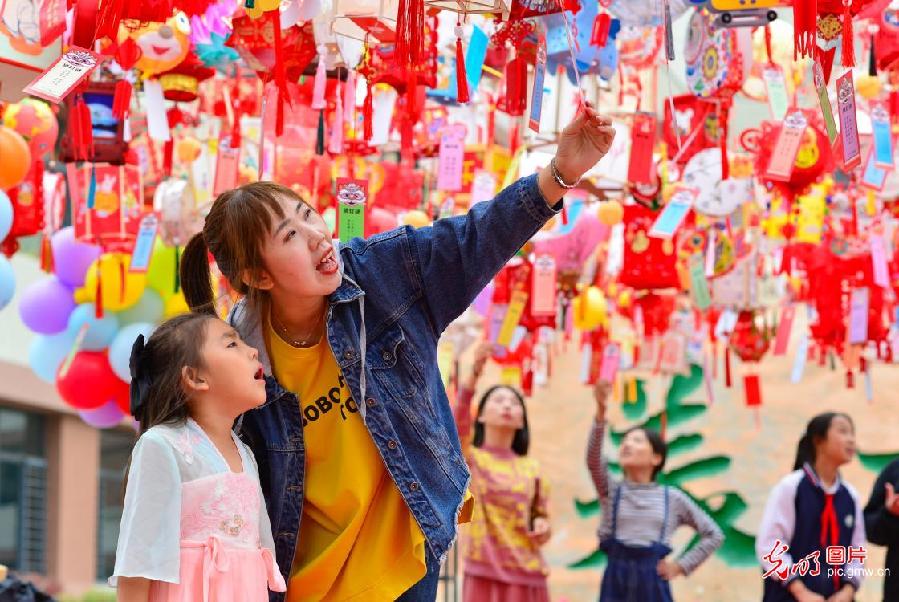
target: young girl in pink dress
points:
(194, 526)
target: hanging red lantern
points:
(254, 40)
(181, 84)
(649, 263)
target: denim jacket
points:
(400, 290)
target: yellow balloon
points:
(161, 273)
(115, 295)
(593, 314)
(175, 305)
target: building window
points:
(115, 450)
(23, 491)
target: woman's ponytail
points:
(195, 276)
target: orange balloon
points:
(15, 158)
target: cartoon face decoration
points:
(351, 194)
(162, 45)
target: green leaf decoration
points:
(634, 409)
(877, 462)
(587, 509)
(705, 467)
(683, 444)
(595, 560)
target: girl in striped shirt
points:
(640, 516)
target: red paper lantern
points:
(28, 208)
(749, 340)
(182, 83)
(90, 382)
(254, 40)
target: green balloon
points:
(162, 273)
(148, 309)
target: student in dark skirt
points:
(640, 515)
(810, 510)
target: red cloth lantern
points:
(182, 83)
(649, 263)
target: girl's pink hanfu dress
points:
(196, 529)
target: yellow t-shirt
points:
(358, 540)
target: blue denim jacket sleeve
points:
(458, 256)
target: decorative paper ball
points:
(34, 120)
(16, 158)
(868, 86)
(610, 212)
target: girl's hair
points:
(156, 372)
(156, 376)
(234, 232)
(659, 447)
(815, 431)
(522, 439)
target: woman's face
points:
(300, 259)
(636, 452)
(840, 443)
(502, 410)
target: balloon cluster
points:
(83, 351)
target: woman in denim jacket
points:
(356, 437)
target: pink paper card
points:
(64, 75)
(852, 154)
(451, 158)
(611, 360)
(858, 316)
(586, 362)
(879, 259)
(226, 169)
(543, 286)
(784, 328)
(783, 157)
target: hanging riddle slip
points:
(537, 93)
(699, 286)
(513, 316)
(883, 136)
(543, 302)
(143, 246)
(674, 213)
(783, 157)
(848, 122)
(776, 86)
(643, 137)
(879, 259)
(782, 339)
(858, 316)
(611, 359)
(450, 160)
(874, 177)
(800, 359)
(824, 102)
(351, 197)
(64, 75)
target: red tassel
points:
(863, 363)
(167, 152)
(461, 77)
(723, 116)
(46, 254)
(600, 33)
(108, 19)
(98, 297)
(516, 83)
(410, 27)
(848, 48)
(122, 276)
(805, 27)
(280, 73)
(121, 101)
(850, 379)
(727, 373)
(751, 390)
(367, 111)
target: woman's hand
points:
(582, 144)
(482, 353)
(601, 391)
(668, 569)
(542, 531)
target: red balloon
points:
(90, 382)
